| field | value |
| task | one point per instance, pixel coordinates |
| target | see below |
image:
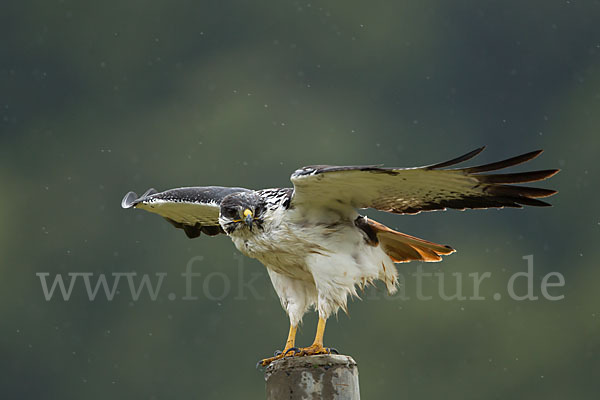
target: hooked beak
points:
(249, 217)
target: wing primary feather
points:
(456, 160)
(515, 191)
(509, 162)
(129, 200)
(149, 192)
(520, 177)
(527, 201)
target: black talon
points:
(295, 349)
(333, 350)
(277, 352)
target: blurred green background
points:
(99, 98)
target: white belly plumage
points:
(316, 264)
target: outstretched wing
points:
(412, 190)
(193, 209)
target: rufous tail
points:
(403, 248)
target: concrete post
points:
(325, 376)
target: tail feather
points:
(403, 248)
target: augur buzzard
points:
(317, 248)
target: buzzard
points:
(315, 245)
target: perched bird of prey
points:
(317, 248)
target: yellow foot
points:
(314, 350)
(298, 352)
(278, 355)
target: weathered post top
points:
(325, 376)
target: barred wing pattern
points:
(428, 188)
(193, 209)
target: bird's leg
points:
(317, 346)
(288, 350)
(320, 333)
(291, 340)
(313, 349)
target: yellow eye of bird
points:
(247, 212)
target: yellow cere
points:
(247, 212)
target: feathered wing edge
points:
(493, 190)
(131, 198)
(499, 188)
(207, 196)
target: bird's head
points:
(241, 211)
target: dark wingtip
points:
(129, 200)
(457, 160)
(509, 162)
(149, 192)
